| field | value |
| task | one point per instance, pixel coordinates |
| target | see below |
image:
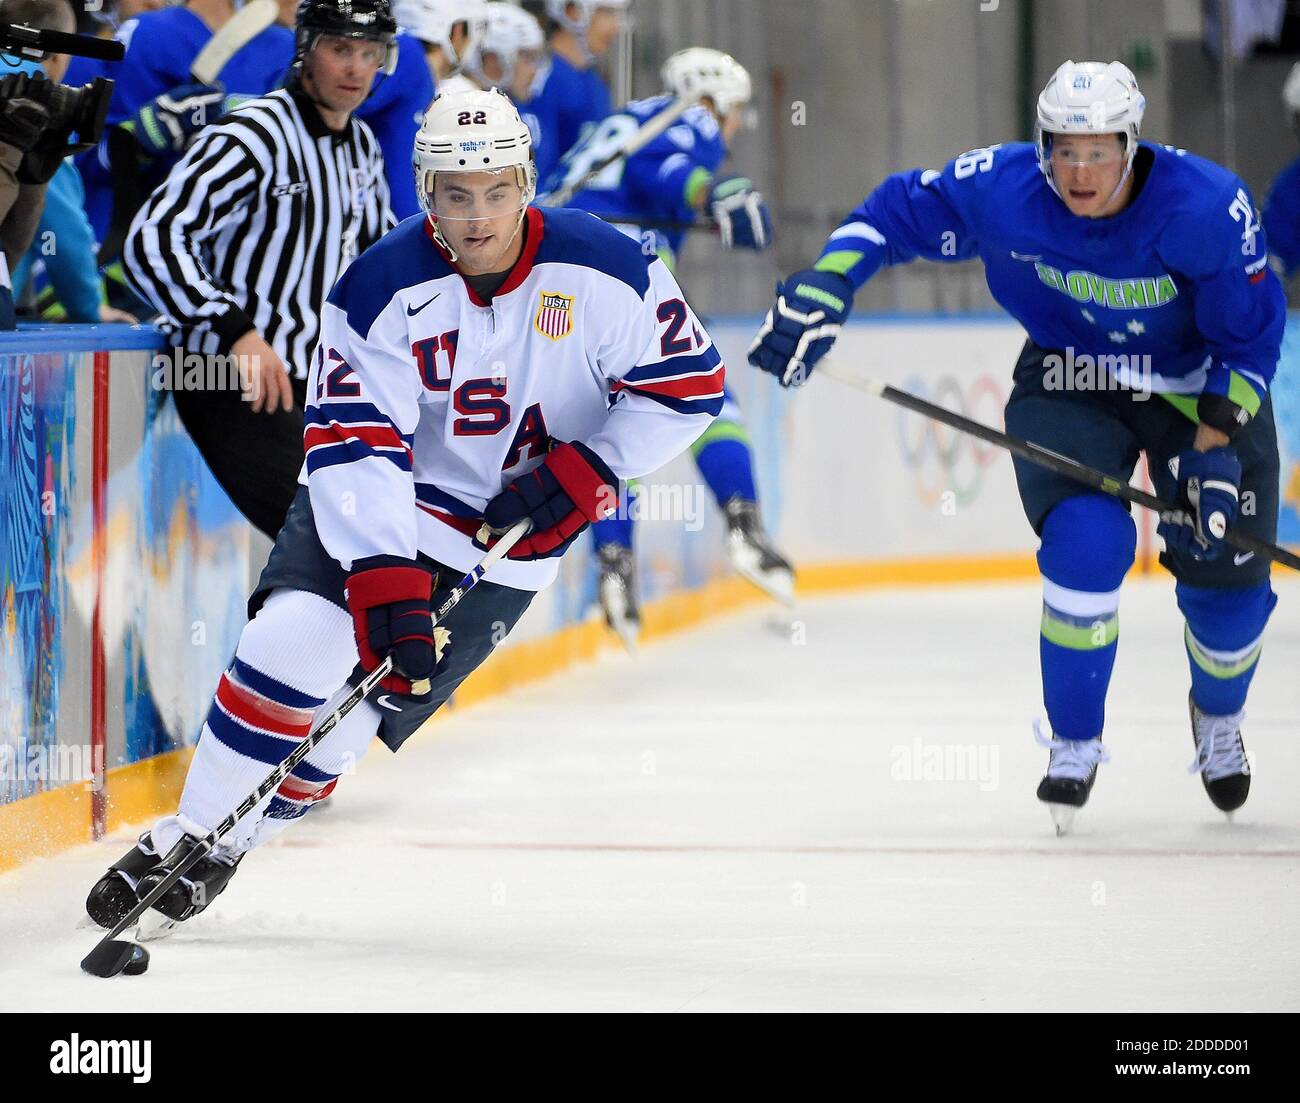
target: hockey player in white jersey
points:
(484, 363)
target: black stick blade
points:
(109, 958)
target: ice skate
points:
(752, 552)
(196, 889)
(114, 895)
(1071, 771)
(1220, 758)
(618, 592)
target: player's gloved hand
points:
(1208, 485)
(569, 489)
(390, 600)
(166, 124)
(742, 217)
(800, 328)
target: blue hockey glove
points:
(166, 124)
(1208, 485)
(742, 217)
(800, 328)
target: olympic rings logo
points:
(944, 460)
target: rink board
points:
(123, 567)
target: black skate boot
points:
(114, 894)
(618, 592)
(202, 883)
(752, 552)
(1071, 772)
(1220, 758)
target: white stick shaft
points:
(239, 30)
(647, 133)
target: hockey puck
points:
(138, 962)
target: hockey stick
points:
(1053, 461)
(235, 33)
(112, 955)
(648, 132)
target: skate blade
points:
(778, 584)
(1062, 817)
(614, 607)
(154, 926)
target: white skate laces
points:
(1220, 752)
(1072, 759)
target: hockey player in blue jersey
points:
(508, 57)
(160, 48)
(569, 93)
(486, 363)
(670, 181)
(1282, 206)
(1149, 257)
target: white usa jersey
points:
(424, 401)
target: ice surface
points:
(758, 814)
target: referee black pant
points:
(255, 457)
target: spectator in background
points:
(569, 93)
(21, 204)
(63, 239)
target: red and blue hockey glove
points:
(800, 328)
(1208, 485)
(569, 489)
(743, 219)
(390, 600)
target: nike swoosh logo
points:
(383, 699)
(411, 312)
(1241, 557)
(1025, 256)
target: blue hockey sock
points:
(1224, 637)
(617, 529)
(1088, 543)
(723, 457)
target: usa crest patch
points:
(555, 315)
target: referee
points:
(239, 246)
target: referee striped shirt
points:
(255, 223)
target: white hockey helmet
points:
(699, 71)
(432, 21)
(472, 132)
(1291, 89)
(1089, 97)
(510, 31)
(558, 10)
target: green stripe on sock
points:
(720, 430)
(838, 262)
(1093, 637)
(1213, 667)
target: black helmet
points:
(368, 19)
